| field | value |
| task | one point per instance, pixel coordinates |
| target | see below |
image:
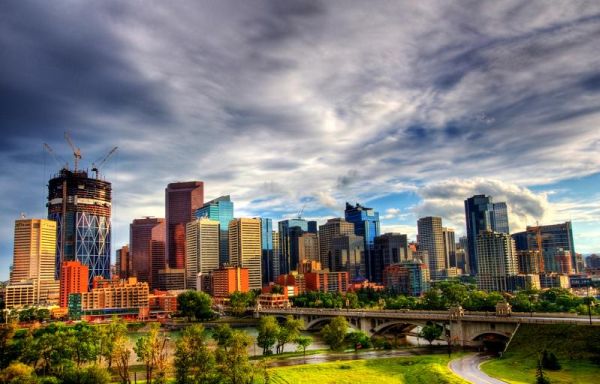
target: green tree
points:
(303, 342)
(194, 361)
(109, 335)
(289, 332)
(233, 361)
(334, 333)
(358, 339)
(150, 350)
(239, 303)
(222, 334)
(7, 334)
(431, 332)
(268, 330)
(194, 304)
(121, 355)
(82, 340)
(18, 373)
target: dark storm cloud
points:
(61, 64)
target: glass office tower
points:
(366, 224)
(221, 210)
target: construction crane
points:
(95, 168)
(538, 239)
(76, 151)
(301, 211)
(58, 159)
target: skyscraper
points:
(348, 256)
(483, 215)
(497, 261)
(431, 239)
(34, 257)
(266, 240)
(390, 248)
(366, 224)
(73, 279)
(449, 247)
(81, 207)
(554, 240)
(181, 201)
(202, 252)
(289, 231)
(123, 262)
(221, 210)
(140, 238)
(245, 248)
(158, 253)
(329, 230)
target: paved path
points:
(468, 368)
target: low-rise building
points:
(325, 281)
(227, 280)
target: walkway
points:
(467, 367)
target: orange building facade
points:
(227, 280)
(73, 279)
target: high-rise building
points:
(34, 258)
(202, 251)
(123, 262)
(462, 254)
(140, 240)
(449, 247)
(181, 202)
(348, 255)
(554, 240)
(408, 277)
(227, 280)
(593, 261)
(158, 253)
(497, 258)
(81, 207)
(482, 214)
(289, 232)
(245, 249)
(366, 224)
(329, 230)
(276, 254)
(529, 262)
(308, 247)
(431, 239)
(389, 248)
(73, 279)
(266, 240)
(221, 210)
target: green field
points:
(575, 347)
(421, 369)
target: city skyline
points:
(289, 106)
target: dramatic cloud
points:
(304, 104)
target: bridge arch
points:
(320, 322)
(406, 325)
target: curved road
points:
(468, 368)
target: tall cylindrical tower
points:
(81, 207)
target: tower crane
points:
(95, 168)
(58, 159)
(76, 151)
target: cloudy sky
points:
(408, 107)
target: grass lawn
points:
(518, 371)
(421, 369)
(573, 345)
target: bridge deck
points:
(522, 318)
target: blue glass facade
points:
(366, 224)
(81, 207)
(221, 210)
(266, 239)
(482, 214)
(289, 231)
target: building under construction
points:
(81, 207)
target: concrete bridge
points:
(463, 328)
